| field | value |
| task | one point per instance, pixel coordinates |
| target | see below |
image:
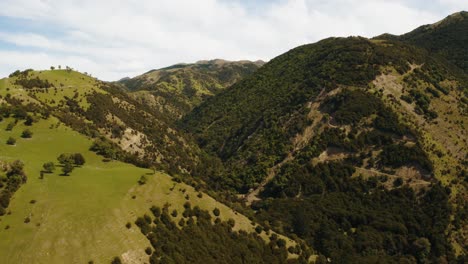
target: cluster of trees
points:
(422, 104)
(27, 82)
(112, 151)
(69, 161)
(30, 83)
(19, 73)
(349, 107)
(18, 112)
(398, 155)
(105, 148)
(14, 177)
(194, 238)
(425, 82)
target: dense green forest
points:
(249, 126)
(195, 238)
(341, 188)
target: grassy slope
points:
(81, 217)
(70, 210)
(67, 84)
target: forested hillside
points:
(347, 150)
(339, 141)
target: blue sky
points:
(119, 38)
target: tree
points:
(67, 168)
(52, 68)
(26, 133)
(216, 212)
(116, 260)
(11, 141)
(49, 167)
(258, 229)
(29, 120)
(78, 159)
(74, 159)
(281, 243)
(397, 182)
(16, 168)
(10, 126)
(65, 158)
(142, 180)
(148, 251)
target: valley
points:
(347, 150)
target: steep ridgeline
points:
(175, 90)
(446, 38)
(359, 146)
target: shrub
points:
(26, 133)
(67, 168)
(10, 126)
(148, 251)
(116, 260)
(216, 212)
(258, 229)
(174, 213)
(142, 180)
(78, 159)
(29, 120)
(181, 222)
(281, 243)
(11, 141)
(407, 98)
(231, 222)
(397, 182)
(156, 211)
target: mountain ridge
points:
(443, 38)
(176, 89)
(347, 150)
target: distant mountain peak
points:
(223, 62)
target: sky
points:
(112, 39)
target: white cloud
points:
(113, 39)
